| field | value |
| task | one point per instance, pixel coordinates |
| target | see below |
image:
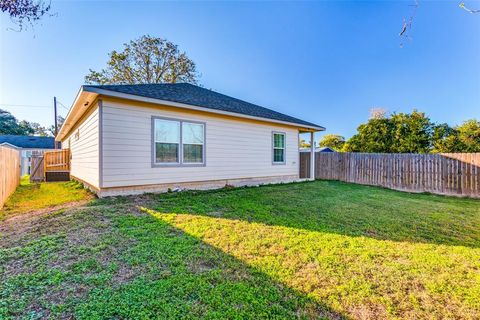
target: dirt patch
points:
(30, 214)
(24, 226)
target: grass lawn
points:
(34, 196)
(319, 249)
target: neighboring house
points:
(27, 145)
(129, 139)
(317, 149)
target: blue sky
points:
(326, 62)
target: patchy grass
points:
(311, 250)
(34, 196)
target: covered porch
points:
(306, 153)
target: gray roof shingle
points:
(201, 97)
(29, 142)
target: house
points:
(27, 145)
(130, 139)
(318, 149)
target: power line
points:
(61, 104)
(23, 105)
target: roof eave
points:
(127, 96)
(82, 102)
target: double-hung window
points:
(278, 144)
(178, 142)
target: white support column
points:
(312, 157)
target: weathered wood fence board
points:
(444, 173)
(37, 173)
(9, 172)
(58, 160)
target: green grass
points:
(307, 250)
(33, 196)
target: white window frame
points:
(180, 162)
(284, 148)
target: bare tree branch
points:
(407, 25)
(462, 5)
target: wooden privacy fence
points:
(56, 165)
(9, 172)
(56, 161)
(443, 173)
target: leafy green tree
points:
(469, 135)
(445, 139)
(10, 125)
(304, 144)
(26, 128)
(146, 60)
(411, 133)
(375, 136)
(463, 138)
(334, 141)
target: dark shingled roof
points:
(201, 97)
(29, 142)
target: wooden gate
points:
(305, 165)
(37, 172)
(56, 165)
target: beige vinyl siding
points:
(235, 149)
(85, 148)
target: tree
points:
(26, 128)
(146, 60)
(304, 144)
(374, 136)
(463, 138)
(39, 130)
(333, 141)
(10, 125)
(398, 133)
(469, 135)
(24, 11)
(412, 133)
(60, 121)
(444, 139)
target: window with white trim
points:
(278, 147)
(178, 142)
(167, 141)
(193, 142)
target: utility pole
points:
(55, 112)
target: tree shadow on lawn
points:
(184, 277)
(136, 266)
(363, 277)
(337, 207)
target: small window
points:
(278, 148)
(193, 142)
(167, 141)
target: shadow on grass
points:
(176, 275)
(337, 207)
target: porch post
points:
(312, 157)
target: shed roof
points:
(28, 142)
